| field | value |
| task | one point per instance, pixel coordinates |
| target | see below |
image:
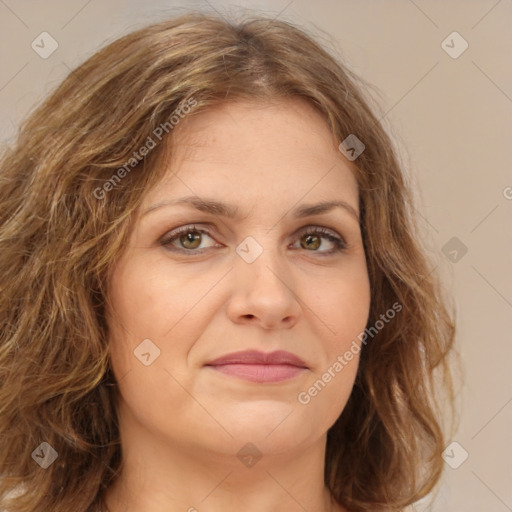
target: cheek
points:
(344, 307)
(150, 300)
(145, 319)
(345, 310)
(343, 303)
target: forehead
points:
(253, 152)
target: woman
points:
(214, 297)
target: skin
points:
(182, 423)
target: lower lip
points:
(260, 372)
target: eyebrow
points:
(214, 207)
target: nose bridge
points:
(263, 283)
(262, 261)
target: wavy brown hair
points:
(62, 230)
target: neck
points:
(159, 476)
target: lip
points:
(257, 366)
(278, 357)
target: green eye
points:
(191, 240)
(311, 240)
(188, 239)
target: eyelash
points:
(166, 240)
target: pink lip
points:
(258, 366)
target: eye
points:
(188, 239)
(311, 239)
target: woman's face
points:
(263, 279)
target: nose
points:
(263, 293)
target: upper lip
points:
(257, 357)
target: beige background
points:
(452, 119)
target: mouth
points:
(260, 367)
